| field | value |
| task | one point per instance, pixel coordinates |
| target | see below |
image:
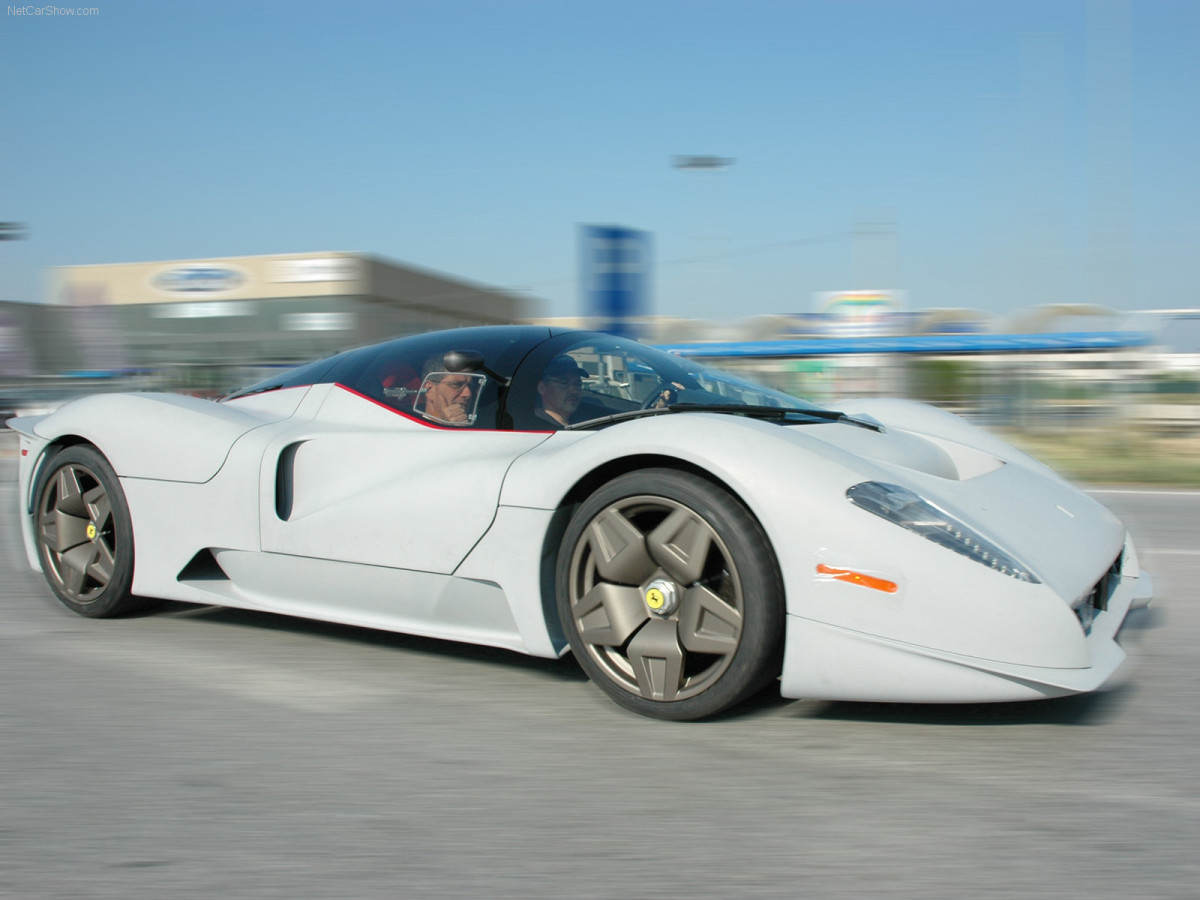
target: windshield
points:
(589, 376)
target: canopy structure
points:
(927, 344)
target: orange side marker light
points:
(879, 584)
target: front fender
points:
(794, 481)
(783, 477)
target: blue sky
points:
(1016, 153)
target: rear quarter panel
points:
(166, 437)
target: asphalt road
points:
(203, 752)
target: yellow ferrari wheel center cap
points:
(661, 597)
(91, 531)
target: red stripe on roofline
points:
(426, 422)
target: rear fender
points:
(31, 457)
(166, 437)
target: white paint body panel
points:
(370, 486)
(322, 503)
(156, 435)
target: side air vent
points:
(284, 481)
(203, 567)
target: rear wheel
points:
(85, 535)
(670, 595)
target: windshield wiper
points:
(757, 412)
(777, 412)
(617, 417)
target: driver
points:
(559, 391)
(667, 396)
(449, 398)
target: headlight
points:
(900, 505)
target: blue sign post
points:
(615, 267)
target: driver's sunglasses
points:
(566, 382)
(457, 386)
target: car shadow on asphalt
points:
(561, 669)
(1080, 710)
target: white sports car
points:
(689, 535)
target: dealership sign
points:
(198, 279)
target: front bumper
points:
(828, 662)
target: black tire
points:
(85, 535)
(670, 595)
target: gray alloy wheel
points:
(84, 534)
(670, 595)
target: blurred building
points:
(251, 310)
(19, 322)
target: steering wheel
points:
(670, 388)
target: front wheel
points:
(85, 535)
(670, 595)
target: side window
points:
(410, 376)
(390, 377)
(311, 373)
(617, 378)
(585, 381)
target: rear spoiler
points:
(24, 425)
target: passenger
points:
(559, 391)
(448, 397)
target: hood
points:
(1064, 536)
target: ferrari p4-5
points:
(690, 536)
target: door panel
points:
(368, 485)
